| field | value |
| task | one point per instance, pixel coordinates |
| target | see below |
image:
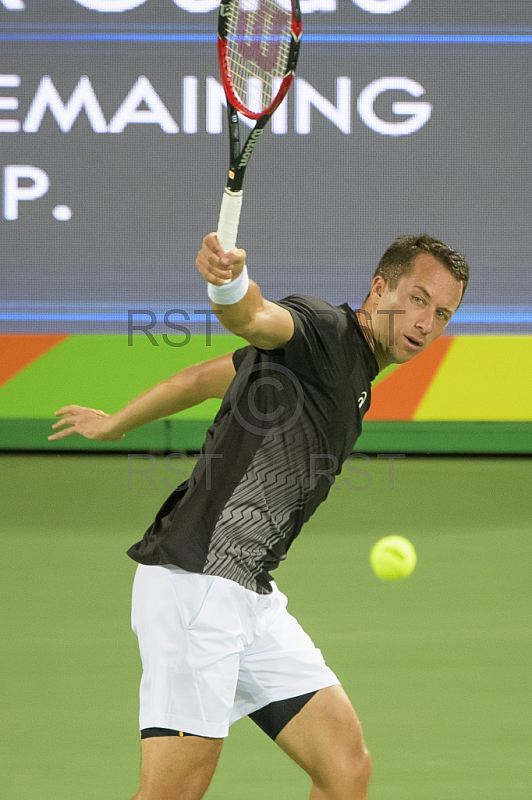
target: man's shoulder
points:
(315, 310)
(307, 301)
(318, 324)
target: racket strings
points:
(258, 51)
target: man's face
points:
(427, 298)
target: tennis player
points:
(215, 637)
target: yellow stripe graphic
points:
(483, 378)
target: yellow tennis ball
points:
(393, 558)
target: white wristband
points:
(231, 292)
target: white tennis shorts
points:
(213, 652)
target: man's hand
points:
(262, 323)
(89, 422)
(217, 266)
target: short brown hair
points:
(398, 259)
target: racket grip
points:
(229, 218)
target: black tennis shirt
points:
(287, 423)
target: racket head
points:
(258, 46)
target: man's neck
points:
(365, 320)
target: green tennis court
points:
(437, 666)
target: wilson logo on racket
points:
(260, 35)
(250, 144)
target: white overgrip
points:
(229, 218)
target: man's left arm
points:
(185, 389)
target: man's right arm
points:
(260, 322)
(185, 389)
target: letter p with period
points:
(22, 183)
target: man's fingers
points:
(63, 421)
(218, 269)
(62, 434)
(219, 272)
(212, 262)
(66, 410)
(211, 243)
(233, 256)
(212, 249)
(214, 276)
(215, 265)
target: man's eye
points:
(417, 299)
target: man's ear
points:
(378, 287)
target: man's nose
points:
(425, 322)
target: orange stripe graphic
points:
(19, 350)
(398, 395)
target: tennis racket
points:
(258, 45)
